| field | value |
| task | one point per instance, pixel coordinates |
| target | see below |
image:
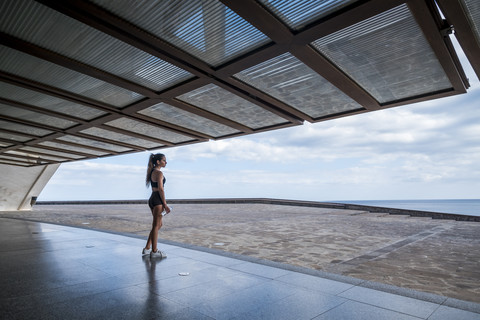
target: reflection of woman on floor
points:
(157, 202)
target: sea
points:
(457, 206)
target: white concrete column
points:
(19, 185)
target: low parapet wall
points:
(333, 205)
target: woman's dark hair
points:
(152, 162)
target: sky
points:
(428, 150)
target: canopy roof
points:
(88, 79)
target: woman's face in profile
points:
(163, 162)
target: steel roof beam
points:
(456, 16)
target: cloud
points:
(431, 128)
(236, 149)
(80, 173)
(82, 166)
(96, 179)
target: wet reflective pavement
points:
(57, 272)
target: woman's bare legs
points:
(149, 241)
(156, 225)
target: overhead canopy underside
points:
(88, 79)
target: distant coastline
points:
(417, 208)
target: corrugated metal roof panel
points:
(222, 102)
(165, 112)
(30, 67)
(40, 25)
(48, 102)
(387, 55)
(289, 80)
(205, 29)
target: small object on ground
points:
(184, 274)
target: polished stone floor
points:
(56, 272)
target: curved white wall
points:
(18, 185)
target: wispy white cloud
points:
(103, 167)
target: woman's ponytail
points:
(149, 169)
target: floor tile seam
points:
(317, 291)
(192, 306)
(165, 295)
(209, 316)
(217, 264)
(232, 290)
(259, 285)
(386, 308)
(325, 293)
(96, 268)
(147, 282)
(434, 311)
(332, 308)
(204, 270)
(466, 305)
(443, 299)
(252, 273)
(229, 292)
(120, 287)
(259, 308)
(200, 312)
(184, 307)
(360, 285)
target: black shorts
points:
(155, 200)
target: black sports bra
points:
(154, 184)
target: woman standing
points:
(157, 202)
